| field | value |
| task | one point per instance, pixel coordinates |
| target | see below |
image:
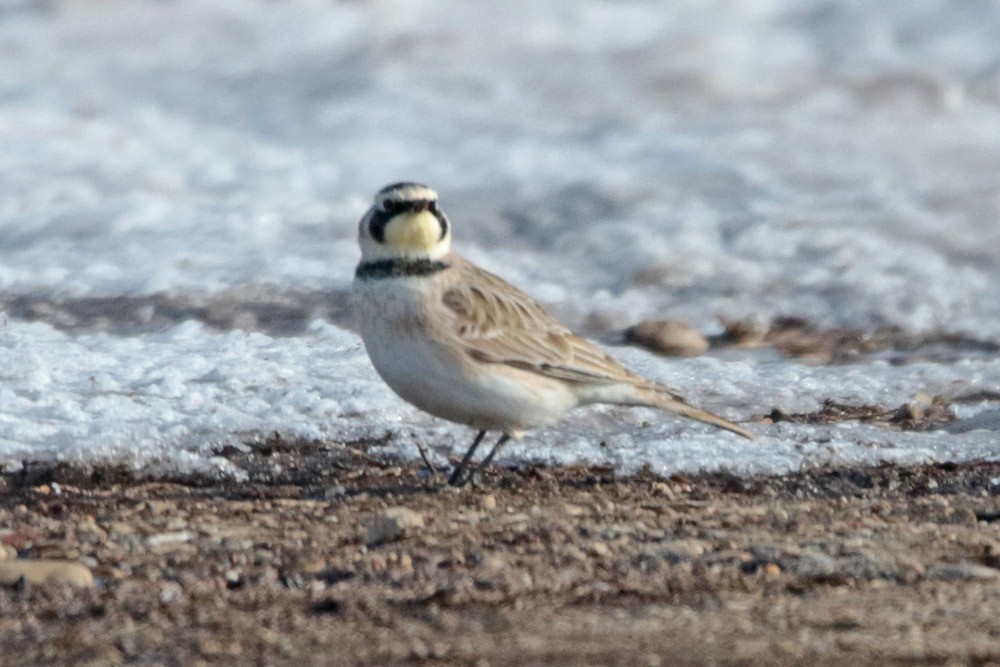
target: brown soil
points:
(536, 566)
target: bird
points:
(464, 345)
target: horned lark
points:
(464, 345)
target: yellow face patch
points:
(413, 231)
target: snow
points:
(835, 160)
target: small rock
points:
(212, 647)
(314, 566)
(494, 561)
(45, 571)
(677, 551)
(405, 563)
(964, 572)
(991, 553)
(170, 592)
(662, 489)
(770, 569)
(393, 524)
(7, 552)
(121, 528)
(667, 337)
(652, 660)
(334, 492)
(234, 580)
(488, 502)
(749, 332)
(161, 539)
(910, 412)
(419, 649)
(600, 549)
(779, 414)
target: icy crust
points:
(830, 159)
(170, 401)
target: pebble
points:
(663, 489)
(334, 492)
(393, 524)
(964, 572)
(170, 591)
(161, 539)
(909, 412)
(749, 332)
(770, 569)
(680, 550)
(991, 552)
(405, 563)
(862, 565)
(488, 502)
(314, 566)
(667, 337)
(121, 528)
(7, 552)
(45, 571)
(600, 549)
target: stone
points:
(600, 549)
(964, 572)
(45, 571)
(393, 524)
(749, 332)
(991, 553)
(667, 337)
(175, 537)
(909, 412)
(676, 551)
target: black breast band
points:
(399, 268)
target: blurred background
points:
(181, 160)
(834, 159)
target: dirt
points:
(310, 563)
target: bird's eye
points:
(390, 206)
(432, 206)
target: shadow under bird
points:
(464, 345)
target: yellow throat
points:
(413, 231)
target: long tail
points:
(666, 401)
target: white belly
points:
(439, 379)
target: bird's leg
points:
(457, 475)
(427, 460)
(489, 457)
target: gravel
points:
(557, 566)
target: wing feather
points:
(497, 323)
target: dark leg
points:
(489, 457)
(457, 475)
(426, 458)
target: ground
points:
(310, 562)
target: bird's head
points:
(404, 222)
